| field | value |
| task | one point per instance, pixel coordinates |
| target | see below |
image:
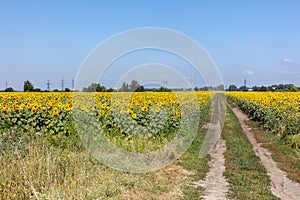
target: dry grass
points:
(168, 182)
(33, 169)
(41, 171)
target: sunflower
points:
(122, 112)
(103, 105)
(44, 109)
(4, 110)
(33, 110)
(101, 112)
(130, 111)
(144, 109)
(55, 112)
(133, 115)
(17, 108)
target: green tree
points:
(140, 89)
(162, 89)
(94, 87)
(28, 87)
(134, 85)
(232, 88)
(262, 89)
(124, 88)
(109, 90)
(243, 88)
(271, 89)
(9, 89)
(294, 89)
(220, 87)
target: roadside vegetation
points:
(247, 178)
(286, 157)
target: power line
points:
(62, 84)
(48, 85)
(6, 85)
(73, 85)
(190, 79)
(165, 83)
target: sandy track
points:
(215, 184)
(281, 185)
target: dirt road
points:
(281, 185)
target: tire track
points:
(215, 184)
(281, 185)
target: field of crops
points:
(148, 115)
(121, 115)
(47, 141)
(277, 111)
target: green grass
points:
(286, 157)
(199, 166)
(246, 176)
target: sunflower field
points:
(153, 115)
(277, 111)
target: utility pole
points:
(48, 85)
(245, 82)
(193, 79)
(73, 85)
(6, 85)
(165, 83)
(62, 84)
(190, 79)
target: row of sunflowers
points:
(277, 111)
(131, 114)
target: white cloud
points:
(248, 72)
(287, 60)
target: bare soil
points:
(215, 184)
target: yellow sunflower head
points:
(55, 112)
(101, 112)
(33, 110)
(133, 115)
(144, 109)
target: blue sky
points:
(49, 40)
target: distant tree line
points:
(96, 87)
(134, 86)
(271, 88)
(211, 88)
(28, 87)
